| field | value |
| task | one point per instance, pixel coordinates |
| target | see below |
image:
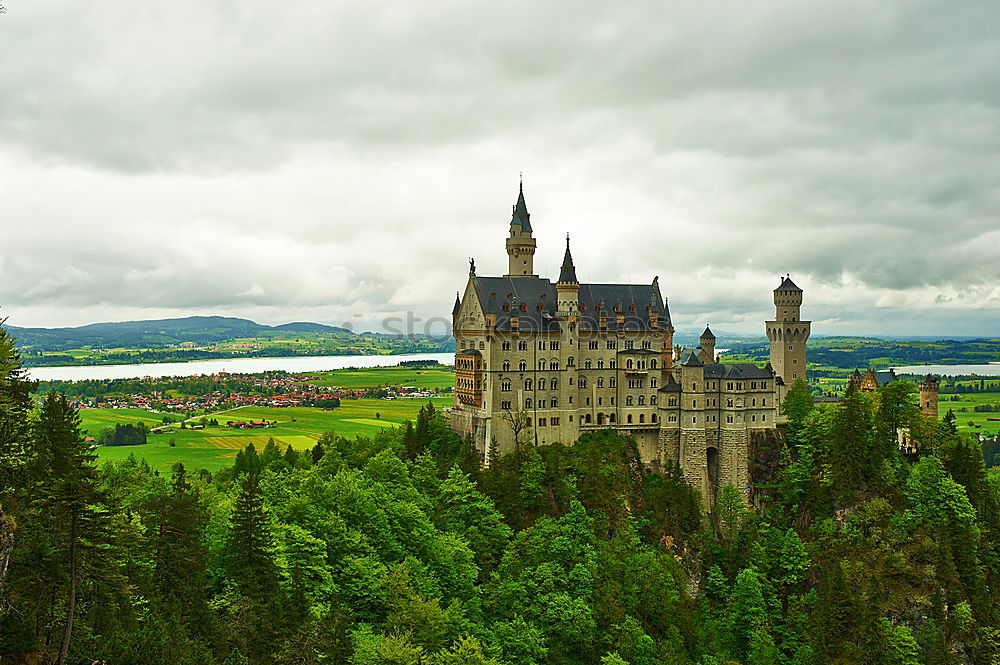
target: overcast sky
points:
(339, 162)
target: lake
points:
(236, 365)
(993, 369)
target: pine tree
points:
(250, 557)
(15, 401)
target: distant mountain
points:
(157, 333)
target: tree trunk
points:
(6, 549)
(71, 603)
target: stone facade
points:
(553, 361)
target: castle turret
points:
(520, 243)
(929, 397)
(707, 343)
(568, 286)
(788, 333)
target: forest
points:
(398, 549)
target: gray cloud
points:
(338, 161)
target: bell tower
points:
(520, 243)
(788, 333)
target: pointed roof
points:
(458, 304)
(707, 334)
(568, 271)
(521, 215)
(787, 285)
(690, 359)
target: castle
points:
(929, 387)
(539, 363)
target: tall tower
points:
(707, 343)
(929, 397)
(568, 286)
(788, 333)
(520, 244)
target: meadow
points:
(214, 448)
(370, 377)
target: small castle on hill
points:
(872, 380)
(539, 362)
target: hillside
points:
(204, 337)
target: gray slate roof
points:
(787, 285)
(532, 291)
(736, 371)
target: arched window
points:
(570, 362)
(628, 419)
(586, 419)
(554, 403)
(652, 364)
(642, 400)
(586, 364)
(541, 384)
(652, 418)
(541, 364)
(505, 386)
(628, 364)
(612, 418)
(600, 382)
(642, 418)
(652, 401)
(482, 345)
(600, 364)
(527, 402)
(506, 365)
(505, 346)
(554, 385)
(582, 382)
(600, 418)
(527, 384)
(527, 422)
(554, 365)
(522, 365)
(628, 401)
(612, 364)
(652, 382)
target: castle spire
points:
(521, 216)
(458, 304)
(567, 274)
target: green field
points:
(372, 377)
(215, 447)
(968, 401)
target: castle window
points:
(612, 364)
(527, 403)
(763, 418)
(600, 382)
(554, 345)
(612, 382)
(541, 364)
(554, 365)
(672, 401)
(629, 344)
(541, 345)
(541, 422)
(571, 401)
(505, 386)
(652, 400)
(729, 385)
(523, 365)
(541, 404)
(763, 384)
(729, 403)
(642, 418)
(505, 406)
(763, 401)
(592, 345)
(612, 417)
(522, 345)
(612, 401)
(794, 375)
(628, 401)
(554, 385)
(554, 402)
(527, 384)
(586, 418)
(694, 419)
(600, 363)
(628, 419)
(506, 365)
(672, 418)
(555, 421)
(628, 364)
(582, 382)
(586, 364)
(642, 400)
(527, 422)
(588, 401)
(652, 364)
(541, 384)
(729, 419)
(612, 344)
(570, 361)
(652, 382)
(652, 418)
(505, 346)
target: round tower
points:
(788, 333)
(929, 397)
(520, 243)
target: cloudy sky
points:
(338, 162)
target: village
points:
(228, 390)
